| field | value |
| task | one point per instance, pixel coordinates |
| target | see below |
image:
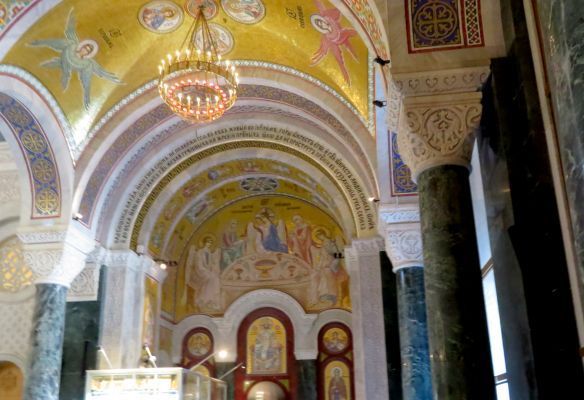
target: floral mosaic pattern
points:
(38, 154)
(443, 24)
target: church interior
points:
(280, 200)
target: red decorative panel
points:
(197, 345)
(335, 363)
(265, 344)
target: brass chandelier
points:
(196, 83)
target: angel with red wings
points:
(334, 36)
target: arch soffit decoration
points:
(40, 150)
(262, 137)
(108, 148)
(335, 205)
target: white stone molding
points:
(438, 130)
(364, 264)
(444, 81)
(55, 256)
(9, 186)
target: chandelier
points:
(195, 82)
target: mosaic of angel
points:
(328, 275)
(202, 274)
(75, 56)
(333, 37)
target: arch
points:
(40, 151)
(11, 380)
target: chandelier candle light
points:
(194, 82)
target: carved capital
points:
(403, 238)
(438, 130)
(55, 256)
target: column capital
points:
(56, 255)
(365, 247)
(438, 130)
(403, 237)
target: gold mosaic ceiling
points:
(92, 54)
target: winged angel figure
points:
(76, 56)
(333, 37)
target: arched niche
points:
(265, 343)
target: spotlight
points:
(373, 199)
(379, 103)
(163, 266)
(381, 61)
(77, 216)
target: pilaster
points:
(363, 263)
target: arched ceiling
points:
(113, 48)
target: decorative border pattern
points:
(365, 16)
(38, 155)
(443, 24)
(11, 11)
(157, 116)
(43, 92)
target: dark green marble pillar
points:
(79, 347)
(413, 334)
(222, 368)
(44, 372)
(457, 329)
(307, 379)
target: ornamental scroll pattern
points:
(440, 135)
(443, 24)
(38, 155)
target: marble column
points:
(436, 138)
(363, 263)
(55, 257)
(403, 243)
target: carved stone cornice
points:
(438, 130)
(459, 80)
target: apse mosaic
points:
(100, 46)
(264, 241)
(443, 24)
(203, 207)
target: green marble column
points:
(307, 379)
(44, 372)
(457, 328)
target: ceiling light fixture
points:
(195, 82)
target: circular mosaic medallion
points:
(210, 10)
(244, 11)
(47, 201)
(160, 16)
(222, 37)
(435, 20)
(33, 141)
(335, 340)
(199, 344)
(259, 184)
(43, 170)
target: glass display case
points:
(152, 383)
